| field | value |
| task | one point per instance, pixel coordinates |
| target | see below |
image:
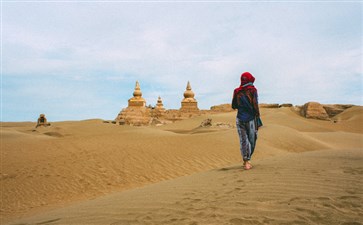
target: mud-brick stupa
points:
(137, 100)
(159, 110)
(160, 105)
(136, 113)
(189, 104)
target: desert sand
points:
(306, 171)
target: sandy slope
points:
(288, 189)
(74, 161)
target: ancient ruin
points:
(158, 111)
(314, 110)
(137, 100)
(335, 109)
(136, 112)
(221, 108)
(189, 104)
(160, 105)
(42, 121)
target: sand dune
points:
(288, 189)
(75, 161)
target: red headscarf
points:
(247, 78)
(246, 82)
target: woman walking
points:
(246, 102)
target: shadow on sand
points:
(235, 167)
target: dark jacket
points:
(245, 100)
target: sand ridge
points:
(74, 161)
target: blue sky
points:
(79, 60)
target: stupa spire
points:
(137, 92)
(188, 86)
(188, 93)
(160, 101)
